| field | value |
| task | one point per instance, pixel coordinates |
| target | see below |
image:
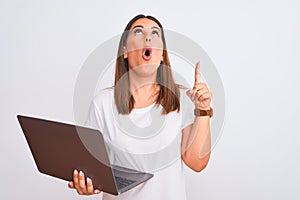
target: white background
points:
(254, 45)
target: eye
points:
(155, 33)
(138, 31)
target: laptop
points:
(59, 148)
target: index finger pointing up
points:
(197, 73)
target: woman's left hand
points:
(200, 94)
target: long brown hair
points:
(169, 94)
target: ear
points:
(125, 52)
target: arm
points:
(196, 141)
(82, 184)
(196, 144)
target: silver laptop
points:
(59, 148)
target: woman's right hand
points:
(82, 187)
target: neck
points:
(142, 84)
(144, 89)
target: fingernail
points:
(97, 191)
(75, 171)
(88, 179)
(80, 173)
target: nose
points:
(148, 38)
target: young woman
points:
(143, 83)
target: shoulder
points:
(105, 92)
(103, 96)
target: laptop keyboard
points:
(123, 182)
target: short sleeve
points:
(94, 119)
(187, 110)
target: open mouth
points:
(147, 53)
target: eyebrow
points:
(143, 27)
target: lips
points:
(147, 51)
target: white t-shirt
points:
(146, 141)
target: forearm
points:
(196, 142)
(197, 147)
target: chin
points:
(146, 70)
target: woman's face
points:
(144, 46)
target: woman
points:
(144, 82)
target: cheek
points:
(158, 48)
(157, 43)
(157, 54)
(134, 43)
